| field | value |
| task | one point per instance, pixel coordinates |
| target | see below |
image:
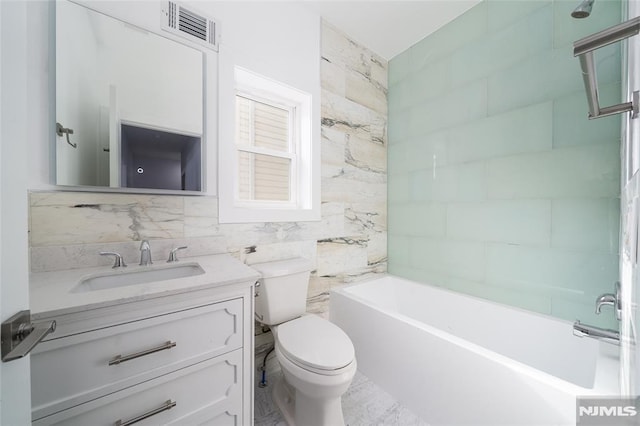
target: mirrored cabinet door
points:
(129, 105)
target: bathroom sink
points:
(135, 276)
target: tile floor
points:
(364, 403)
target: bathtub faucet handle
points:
(610, 299)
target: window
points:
(269, 168)
(266, 150)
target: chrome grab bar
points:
(119, 359)
(584, 49)
(168, 405)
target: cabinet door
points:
(75, 369)
(209, 392)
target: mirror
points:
(129, 105)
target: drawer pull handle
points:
(118, 359)
(168, 405)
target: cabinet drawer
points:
(75, 369)
(209, 392)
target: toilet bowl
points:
(317, 358)
(318, 361)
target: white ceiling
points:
(388, 27)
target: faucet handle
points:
(611, 299)
(173, 254)
(118, 261)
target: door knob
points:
(19, 335)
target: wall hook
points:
(60, 131)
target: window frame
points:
(305, 175)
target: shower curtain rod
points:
(584, 49)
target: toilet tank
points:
(282, 294)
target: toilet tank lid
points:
(283, 268)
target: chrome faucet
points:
(145, 253)
(118, 260)
(605, 299)
(611, 299)
(173, 254)
(604, 334)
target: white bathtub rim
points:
(452, 292)
(514, 365)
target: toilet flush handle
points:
(257, 293)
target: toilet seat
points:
(315, 344)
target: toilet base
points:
(284, 398)
(298, 409)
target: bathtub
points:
(458, 360)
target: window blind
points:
(264, 153)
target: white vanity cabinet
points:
(180, 359)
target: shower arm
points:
(584, 49)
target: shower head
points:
(583, 10)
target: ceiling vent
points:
(189, 24)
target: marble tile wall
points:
(68, 229)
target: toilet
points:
(317, 358)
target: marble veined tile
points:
(366, 217)
(280, 251)
(331, 224)
(344, 189)
(319, 304)
(200, 216)
(340, 50)
(318, 285)
(377, 250)
(333, 77)
(353, 173)
(365, 154)
(379, 71)
(360, 74)
(363, 404)
(342, 254)
(61, 257)
(242, 235)
(60, 218)
(361, 89)
(353, 118)
(333, 150)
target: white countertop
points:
(51, 292)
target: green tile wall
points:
(498, 185)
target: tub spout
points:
(604, 334)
